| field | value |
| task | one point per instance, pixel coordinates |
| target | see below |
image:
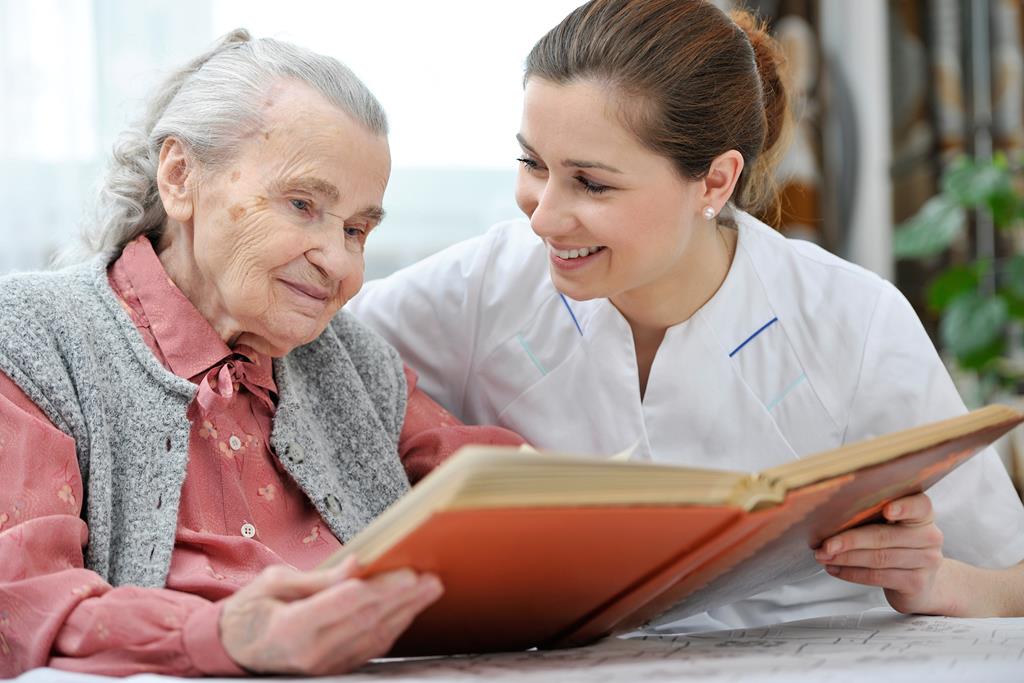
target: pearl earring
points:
(709, 213)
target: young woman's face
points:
(616, 217)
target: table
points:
(874, 646)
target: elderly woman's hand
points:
(903, 557)
(323, 621)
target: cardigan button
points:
(248, 530)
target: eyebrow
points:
(573, 163)
(374, 214)
(329, 190)
(316, 185)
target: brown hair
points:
(692, 83)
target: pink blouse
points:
(239, 513)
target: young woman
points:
(642, 304)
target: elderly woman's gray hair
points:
(211, 105)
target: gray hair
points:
(210, 106)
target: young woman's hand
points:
(321, 622)
(903, 556)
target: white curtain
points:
(70, 72)
(74, 72)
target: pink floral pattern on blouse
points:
(239, 513)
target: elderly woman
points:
(188, 425)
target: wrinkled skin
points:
(322, 622)
(270, 246)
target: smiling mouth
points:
(574, 259)
(310, 292)
(570, 254)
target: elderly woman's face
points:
(278, 234)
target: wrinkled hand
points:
(903, 557)
(321, 622)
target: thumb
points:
(914, 510)
(286, 583)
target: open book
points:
(550, 550)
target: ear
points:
(172, 180)
(721, 179)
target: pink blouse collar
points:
(190, 345)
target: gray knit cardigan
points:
(66, 341)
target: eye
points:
(591, 187)
(528, 163)
(301, 205)
(355, 238)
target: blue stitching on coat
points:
(569, 308)
(778, 399)
(526, 347)
(751, 337)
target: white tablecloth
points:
(875, 646)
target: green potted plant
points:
(979, 301)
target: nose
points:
(550, 214)
(334, 259)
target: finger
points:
(888, 558)
(368, 629)
(875, 536)
(900, 580)
(913, 510)
(288, 584)
(370, 643)
(394, 624)
(363, 600)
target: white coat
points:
(797, 352)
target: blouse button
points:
(234, 442)
(248, 530)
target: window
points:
(449, 74)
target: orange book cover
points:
(519, 574)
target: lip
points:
(309, 291)
(575, 263)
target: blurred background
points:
(73, 73)
(905, 157)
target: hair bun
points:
(771, 62)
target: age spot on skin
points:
(235, 176)
(236, 212)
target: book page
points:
(779, 563)
(980, 426)
(774, 561)
(490, 477)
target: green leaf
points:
(988, 184)
(1014, 306)
(970, 183)
(1004, 206)
(951, 284)
(1011, 281)
(983, 358)
(931, 230)
(1013, 276)
(972, 328)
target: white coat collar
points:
(729, 358)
